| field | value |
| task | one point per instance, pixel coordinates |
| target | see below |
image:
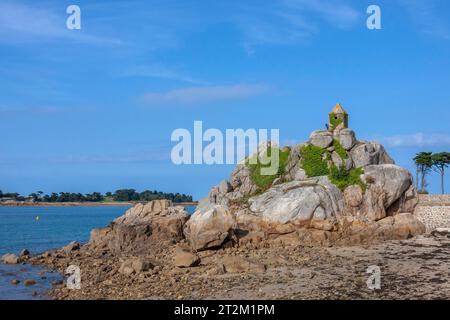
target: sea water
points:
(39, 229)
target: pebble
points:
(29, 282)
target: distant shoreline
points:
(83, 204)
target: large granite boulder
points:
(387, 185)
(392, 179)
(405, 226)
(353, 196)
(368, 153)
(299, 202)
(347, 138)
(321, 138)
(406, 203)
(209, 226)
(294, 171)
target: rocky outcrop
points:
(356, 195)
(296, 208)
(142, 228)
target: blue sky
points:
(93, 109)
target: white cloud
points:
(193, 95)
(417, 140)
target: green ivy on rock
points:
(343, 178)
(340, 149)
(313, 162)
(263, 182)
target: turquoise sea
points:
(55, 227)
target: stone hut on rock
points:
(338, 118)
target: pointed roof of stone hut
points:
(338, 109)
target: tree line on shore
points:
(122, 195)
(426, 162)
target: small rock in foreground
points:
(236, 264)
(72, 246)
(29, 282)
(185, 258)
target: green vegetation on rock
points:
(313, 162)
(265, 181)
(343, 178)
(340, 149)
(335, 121)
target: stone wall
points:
(434, 211)
(435, 199)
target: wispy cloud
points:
(149, 156)
(416, 140)
(287, 22)
(279, 22)
(198, 95)
(24, 23)
(269, 28)
(81, 159)
(158, 71)
(337, 12)
(428, 18)
(7, 110)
